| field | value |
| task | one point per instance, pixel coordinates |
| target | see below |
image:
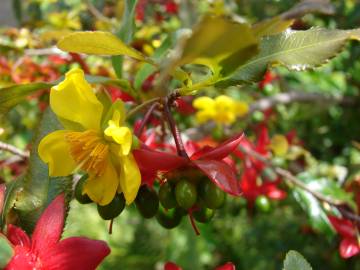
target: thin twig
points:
(341, 206)
(14, 150)
(174, 129)
(141, 106)
(146, 119)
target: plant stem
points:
(141, 106)
(174, 129)
(14, 150)
(146, 119)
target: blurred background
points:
(248, 237)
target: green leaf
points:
(6, 251)
(37, 189)
(296, 50)
(125, 33)
(219, 43)
(12, 95)
(10, 197)
(295, 261)
(98, 43)
(316, 214)
(271, 26)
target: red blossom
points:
(349, 245)
(173, 266)
(269, 77)
(209, 160)
(45, 251)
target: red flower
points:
(44, 251)
(171, 7)
(173, 266)
(269, 77)
(349, 245)
(208, 160)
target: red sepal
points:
(227, 266)
(349, 247)
(344, 227)
(171, 266)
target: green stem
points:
(141, 106)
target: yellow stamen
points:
(89, 150)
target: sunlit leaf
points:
(296, 50)
(271, 26)
(6, 251)
(220, 44)
(295, 261)
(98, 43)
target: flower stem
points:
(146, 119)
(174, 129)
(193, 224)
(141, 106)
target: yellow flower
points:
(222, 109)
(95, 140)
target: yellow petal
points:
(279, 145)
(242, 108)
(130, 178)
(204, 103)
(205, 115)
(73, 99)
(102, 189)
(55, 151)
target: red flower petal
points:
(171, 266)
(17, 236)
(221, 174)
(263, 139)
(157, 161)
(349, 247)
(49, 226)
(271, 190)
(344, 227)
(221, 151)
(22, 260)
(78, 253)
(227, 266)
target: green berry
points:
(167, 195)
(79, 196)
(170, 218)
(203, 215)
(262, 203)
(186, 194)
(212, 196)
(147, 202)
(113, 209)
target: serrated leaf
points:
(98, 43)
(295, 261)
(296, 50)
(219, 43)
(37, 189)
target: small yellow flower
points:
(222, 109)
(95, 140)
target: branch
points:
(297, 96)
(297, 182)
(14, 150)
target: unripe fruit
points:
(167, 195)
(212, 196)
(186, 194)
(147, 202)
(81, 198)
(113, 209)
(262, 203)
(203, 215)
(169, 218)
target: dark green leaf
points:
(37, 189)
(295, 261)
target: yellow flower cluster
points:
(95, 141)
(222, 109)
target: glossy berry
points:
(147, 202)
(203, 215)
(262, 203)
(167, 195)
(81, 198)
(186, 194)
(211, 195)
(170, 218)
(113, 209)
